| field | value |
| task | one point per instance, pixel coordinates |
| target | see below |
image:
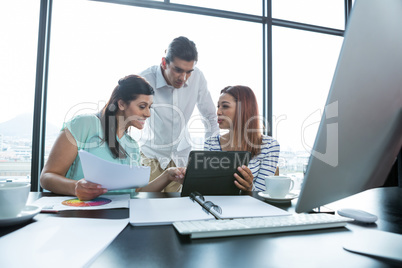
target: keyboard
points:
(260, 225)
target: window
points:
(253, 7)
(19, 41)
(93, 44)
(303, 67)
(90, 53)
(329, 13)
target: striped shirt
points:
(263, 164)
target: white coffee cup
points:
(13, 198)
(278, 186)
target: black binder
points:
(211, 172)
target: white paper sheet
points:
(59, 242)
(113, 176)
(161, 211)
(244, 206)
(54, 203)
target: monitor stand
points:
(322, 209)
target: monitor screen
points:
(360, 133)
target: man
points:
(179, 86)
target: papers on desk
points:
(113, 176)
(160, 211)
(55, 203)
(59, 242)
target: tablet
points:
(211, 172)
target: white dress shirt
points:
(166, 131)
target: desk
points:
(161, 246)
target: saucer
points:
(25, 215)
(287, 198)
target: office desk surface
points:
(161, 246)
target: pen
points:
(48, 211)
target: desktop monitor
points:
(360, 133)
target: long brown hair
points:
(246, 118)
(127, 90)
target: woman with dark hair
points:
(104, 135)
(238, 113)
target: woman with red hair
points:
(238, 113)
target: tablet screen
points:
(211, 172)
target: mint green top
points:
(88, 134)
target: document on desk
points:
(60, 203)
(113, 176)
(162, 211)
(59, 242)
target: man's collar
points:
(160, 80)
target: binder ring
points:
(210, 205)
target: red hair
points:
(246, 126)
